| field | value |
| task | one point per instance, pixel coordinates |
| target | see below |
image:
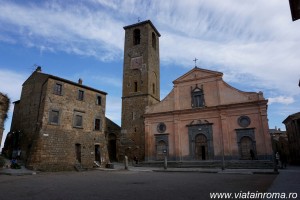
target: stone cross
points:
(195, 62)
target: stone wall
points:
(113, 134)
(51, 145)
(141, 80)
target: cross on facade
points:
(195, 62)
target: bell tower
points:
(141, 84)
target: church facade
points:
(204, 118)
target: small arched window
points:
(197, 98)
(153, 40)
(136, 36)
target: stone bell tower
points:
(141, 84)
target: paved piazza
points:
(128, 185)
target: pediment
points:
(198, 73)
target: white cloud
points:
(254, 43)
(74, 29)
(282, 100)
(113, 109)
(11, 83)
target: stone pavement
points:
(288, 180)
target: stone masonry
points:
(141, 85)
(59, 124)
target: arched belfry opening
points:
(136, 36)
(153, 40)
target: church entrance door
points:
(161, 150)
(201, 147)
(246, 146)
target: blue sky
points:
(253, 42)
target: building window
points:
(153, 40)
(54, 117)
(244, 121)
(135, 87)
(99, 100)
(80, 95)
(136, 37)
(58, 89)
(197, 98)
(78, 121)
(161, 127)
(97, 124)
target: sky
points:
(254, 43)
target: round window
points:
(161, 127)
(244, 121)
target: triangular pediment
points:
(198, 73)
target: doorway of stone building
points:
(78, 152)
(161, 150)
(97, 153)
(246, 145)
(201, 152)
(112, 147)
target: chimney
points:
(80, 81)
(38, 69)
(275, 127)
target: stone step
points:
(232, 164)
(78, 167)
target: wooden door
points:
(201, 152)
(161, 150)
(246, 146)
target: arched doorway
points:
(201, 152)
(112, 147)
(246, 144)
(161, 150)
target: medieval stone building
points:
(204, 118)
(58, 124)
(141, 84)
(292, 124)
(4, 105)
